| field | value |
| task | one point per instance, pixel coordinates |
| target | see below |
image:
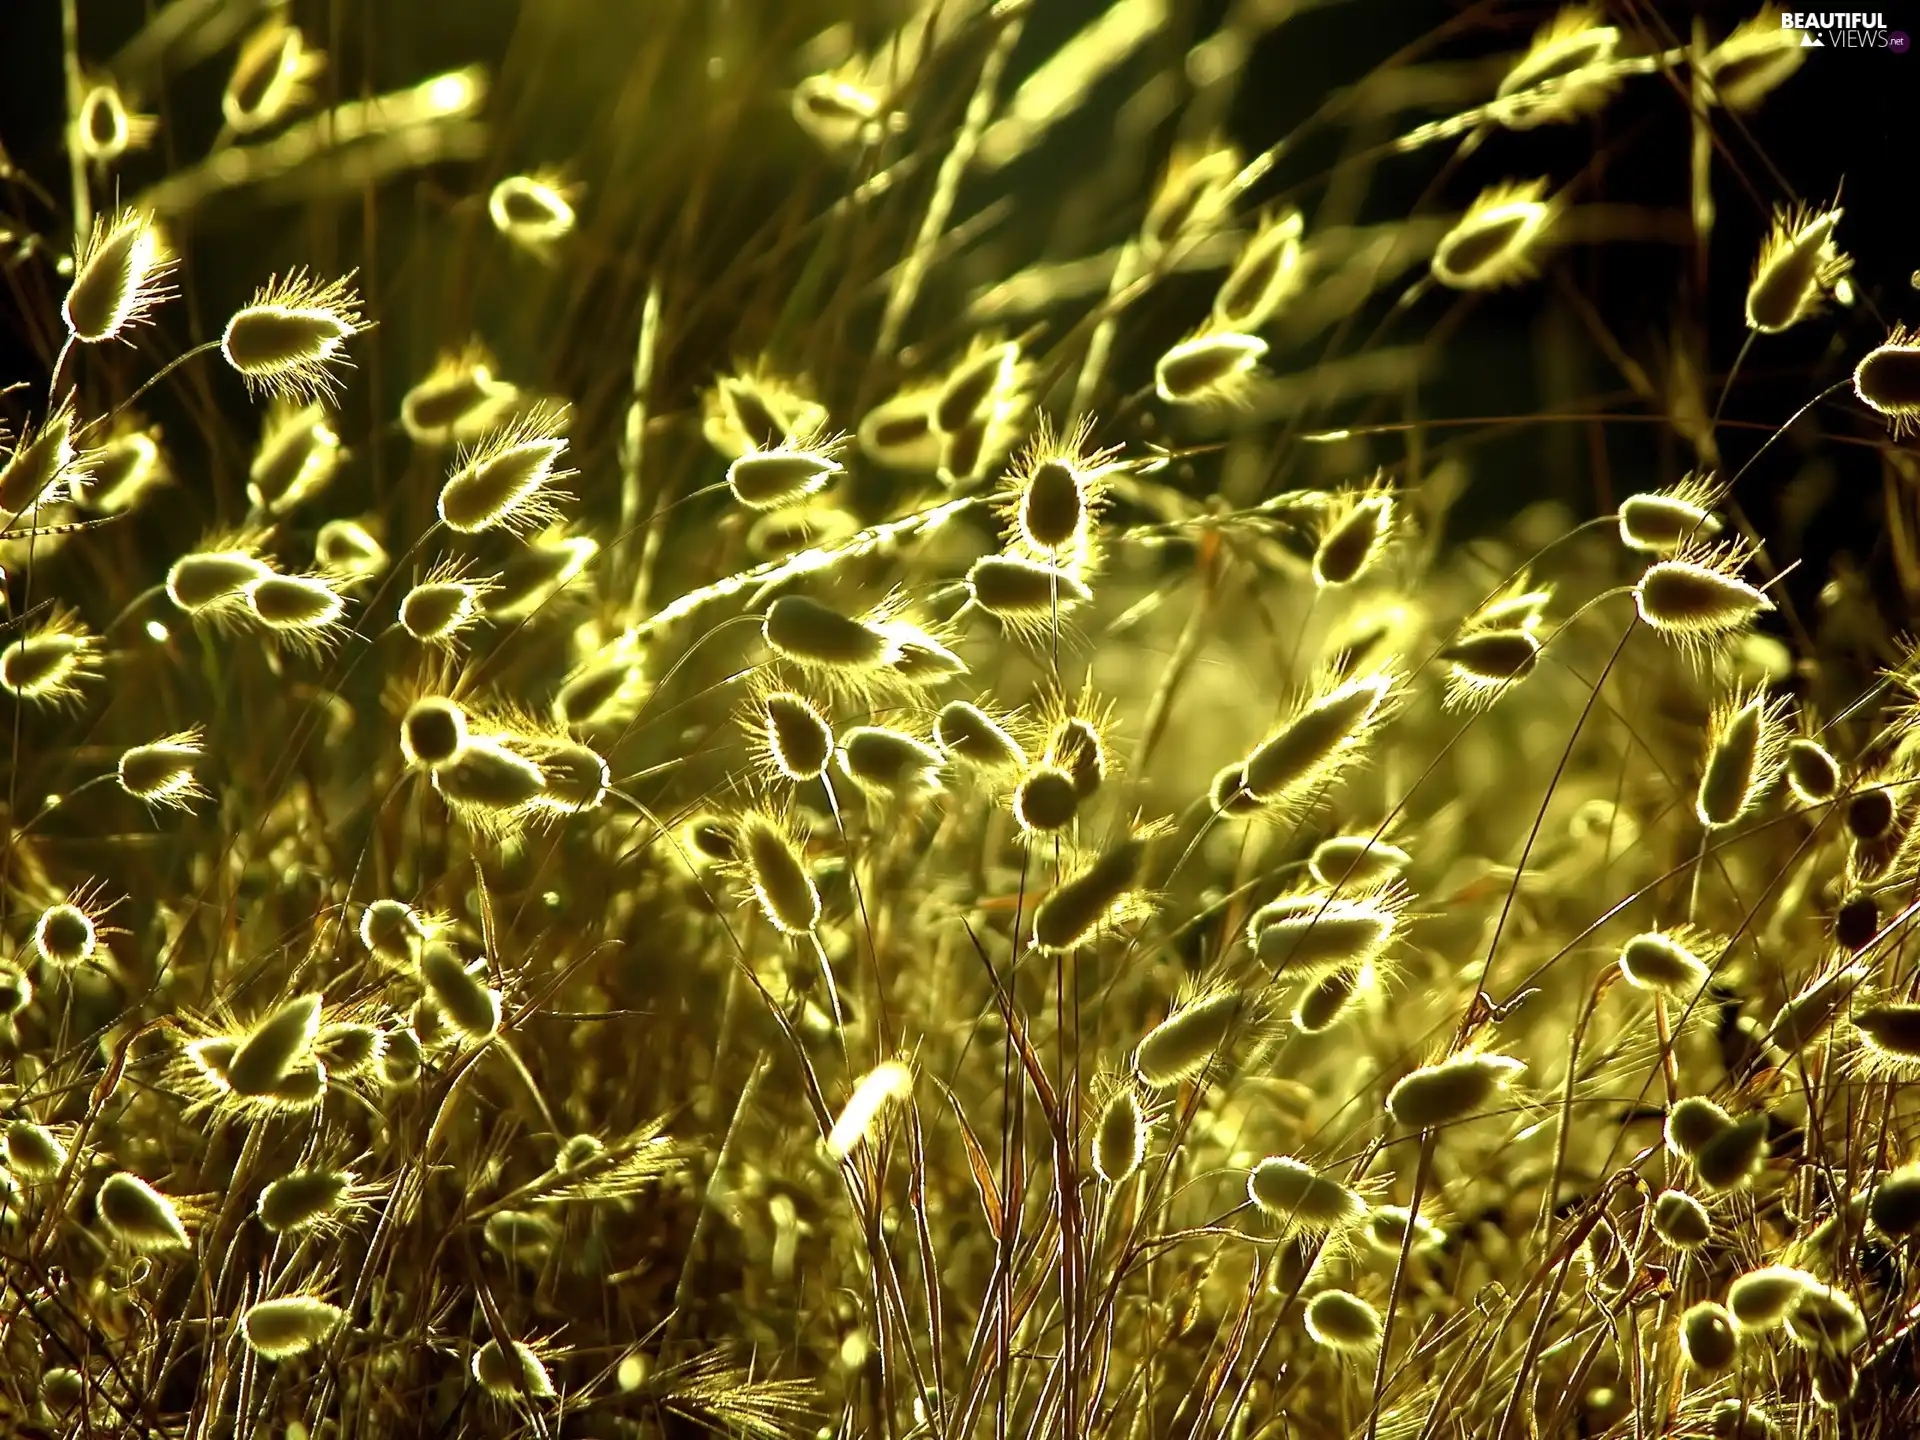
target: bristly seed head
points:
(1300, 1197)
(1698, 595)
(884, 761)
(433, 732)
(967, 733)
(768, 479)
(65, 935)
(1797, 264)
(1266, 274)
(1120, 1136)
(1812, 772)
(1080, 904)
(286, 340)
(1496, 242)
(1188, 1041)
(1663, 963)
(1453, 1090)
(1045, 800)
(504, 482)
(139, 1216)
(1708, 1341)
(120, 276)
(460, 992)
(1210, 367)
(778, 875)
(291, 1325)
(1745, 750)
(1327, 732)
(1666, 521)
(271, 1050)
(1343, 1322)
(1887, 379)
(1356, 531)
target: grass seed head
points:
(1075, 746)
(1737, 1418)
(1759, 1299)
(1053, 507)
(1356, 862)
(1664, 522)
(1892, 1032)
(1887, 380)
(433, 732)
(211, 582)
(45, 467)
(884, 761)
(1265, 276)
(291, 1325)
(1343, 1322)
(815, 636)
(1745, 749)
(1870, 813)
(1797, 264)
(1753, 61)
(968, 734)
(434, 612)
(460, 992)
(1023, 593)
(1565, 74)
(1693, 1122)
(1681, 1220)
(1812, 772)
(1452, 1090)
(530, 210)
(1045, 800)
(272, 76)
(348, 1047)
(1329, 999)
(47, 665)
(125, 470)
(513, 1371)
(287, 340)
(1708, 1341)
(1357, 530)
(303, 609)
(975, 385)
(106, 129)
(488, 781)
(1096, 893)
(1299, 1197)
(274, 1046)
(885, 1083)
(33, 1152)
(1826, 1321)
(1497, 242)
(1315, 933)
(574, 777)
(120, 276)
(778, 875)
(1663, 963)
(899, 435)
(65, 935)
(535, 574)
(139, 1216)
(299, 453)
(1483, 664)
(1323, 736)
(1732, 1158)
(1386, 1231)
(521, 1236)
(458, 402)
(346, 550)
(304, 1199)
(401, 1057)
(392, 931)
(1808, 1015)
(1210, 367)
(1698, 595)
(768, 479)
(1895, 1204)
(504, 482)
(1120, 1136)
(1189, 1041)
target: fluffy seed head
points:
(1053, 507)
(1355, 862)
(974, 385)
(1797, 263)
(1496, 242)
(274, 1047)
(299, 453)
(1564, 74)
(288, 338)
(1323, 736)
(1209, 367)
(1295, 1194)
(1342, 1321)
(503, 483)
(210, 581)
(1664, 522)
(1326, 1002)
(33, 1151)
(1266, 274)
(119, 277)
(47, 664)
(1745, 748)
(1698, 595)
(65, 935)
(460, 992)
(1450, 1091)
(1045, 800)
(433, 732)
(459, 401)
(272, 76)
(521, 1236)
(512, 1371)
(778, 875)
(1692, 1124)
(1812, 772)
(530, 210)
(301, 608)
(535, 574)
(1315, 933)
(1080, 904)
(488, 779)
(1681, 1220)
(1807, 1016)
(1826, 1321)
(967, 733)
(1753, 61)
(347, 550)
(1870, 813)
(1895, 1206)
(1022, 592)
(1734, 1156)
(347, 1047)
(1708, 1340)
(1075, 746)
(885, 1083)
(1184, 1045)
(1892, 1031)
(1120, 1136)
(291, 1325)
(303, 1199)
(44, 467)
(1662, 962)
(139, 1216)
(811, 634)
(574, 777)
(1192, 194)
(1482, 664)
(1887, 379)
(1352, 539)
(1760, 1299)
(884, 761)
(768, 479)
(436, 611)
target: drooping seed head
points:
(968, 734)
(768, 479)
(120, 276)
(65, 935)
(460, 992)
(1663, 963)
(1045, 800)
(1892, 1031)
(885, 1083)
(1351, 541)
(33, 1151)
(1093, 895)
(1797, 263)
(47, 664)
(1693, 1122)
(1760, 1299)
(1808, 1015)
(1315, 933)
(1453, 1090)
(504, 482)
(884, 761)
(272, 76)
(1496, 243)
(1731, 1159)
(1812, 772)
(530, 210)
(1482, 665)
(1895, 1206)
(1120, 1136)
(1681, 1220)
(1265, 275)
(1327, 1001)
(347, 550)
(1887, 379)
(1356, 862)
(972, 387)
(139, 1216)
(1186, 1043)
(1228, 795)
(289, 337)
(1826, 1321)
(1023, 593)
(303, 1199)
(1343, 1322)
(45, 467)
(1293, 1193)
(459, 401)
(436, 611)
(1666, 521)
(1698, 594)
(778, 875)
(291, 1325)
(1565, 74)
(433, 732)
(303, 609)
(535, 574)
(348, 1047)
(392, 930)
(299, 453)
(1210, 367)
(213, 581)
(512, 1372)
(600, 692)
(1708, 1341)
(274, 1046)
(811, 634)
(1386, 1231)
(488, 780)
(1323, 736)
(1745, 749)
(574, 777)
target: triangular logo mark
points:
(1810, 41)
